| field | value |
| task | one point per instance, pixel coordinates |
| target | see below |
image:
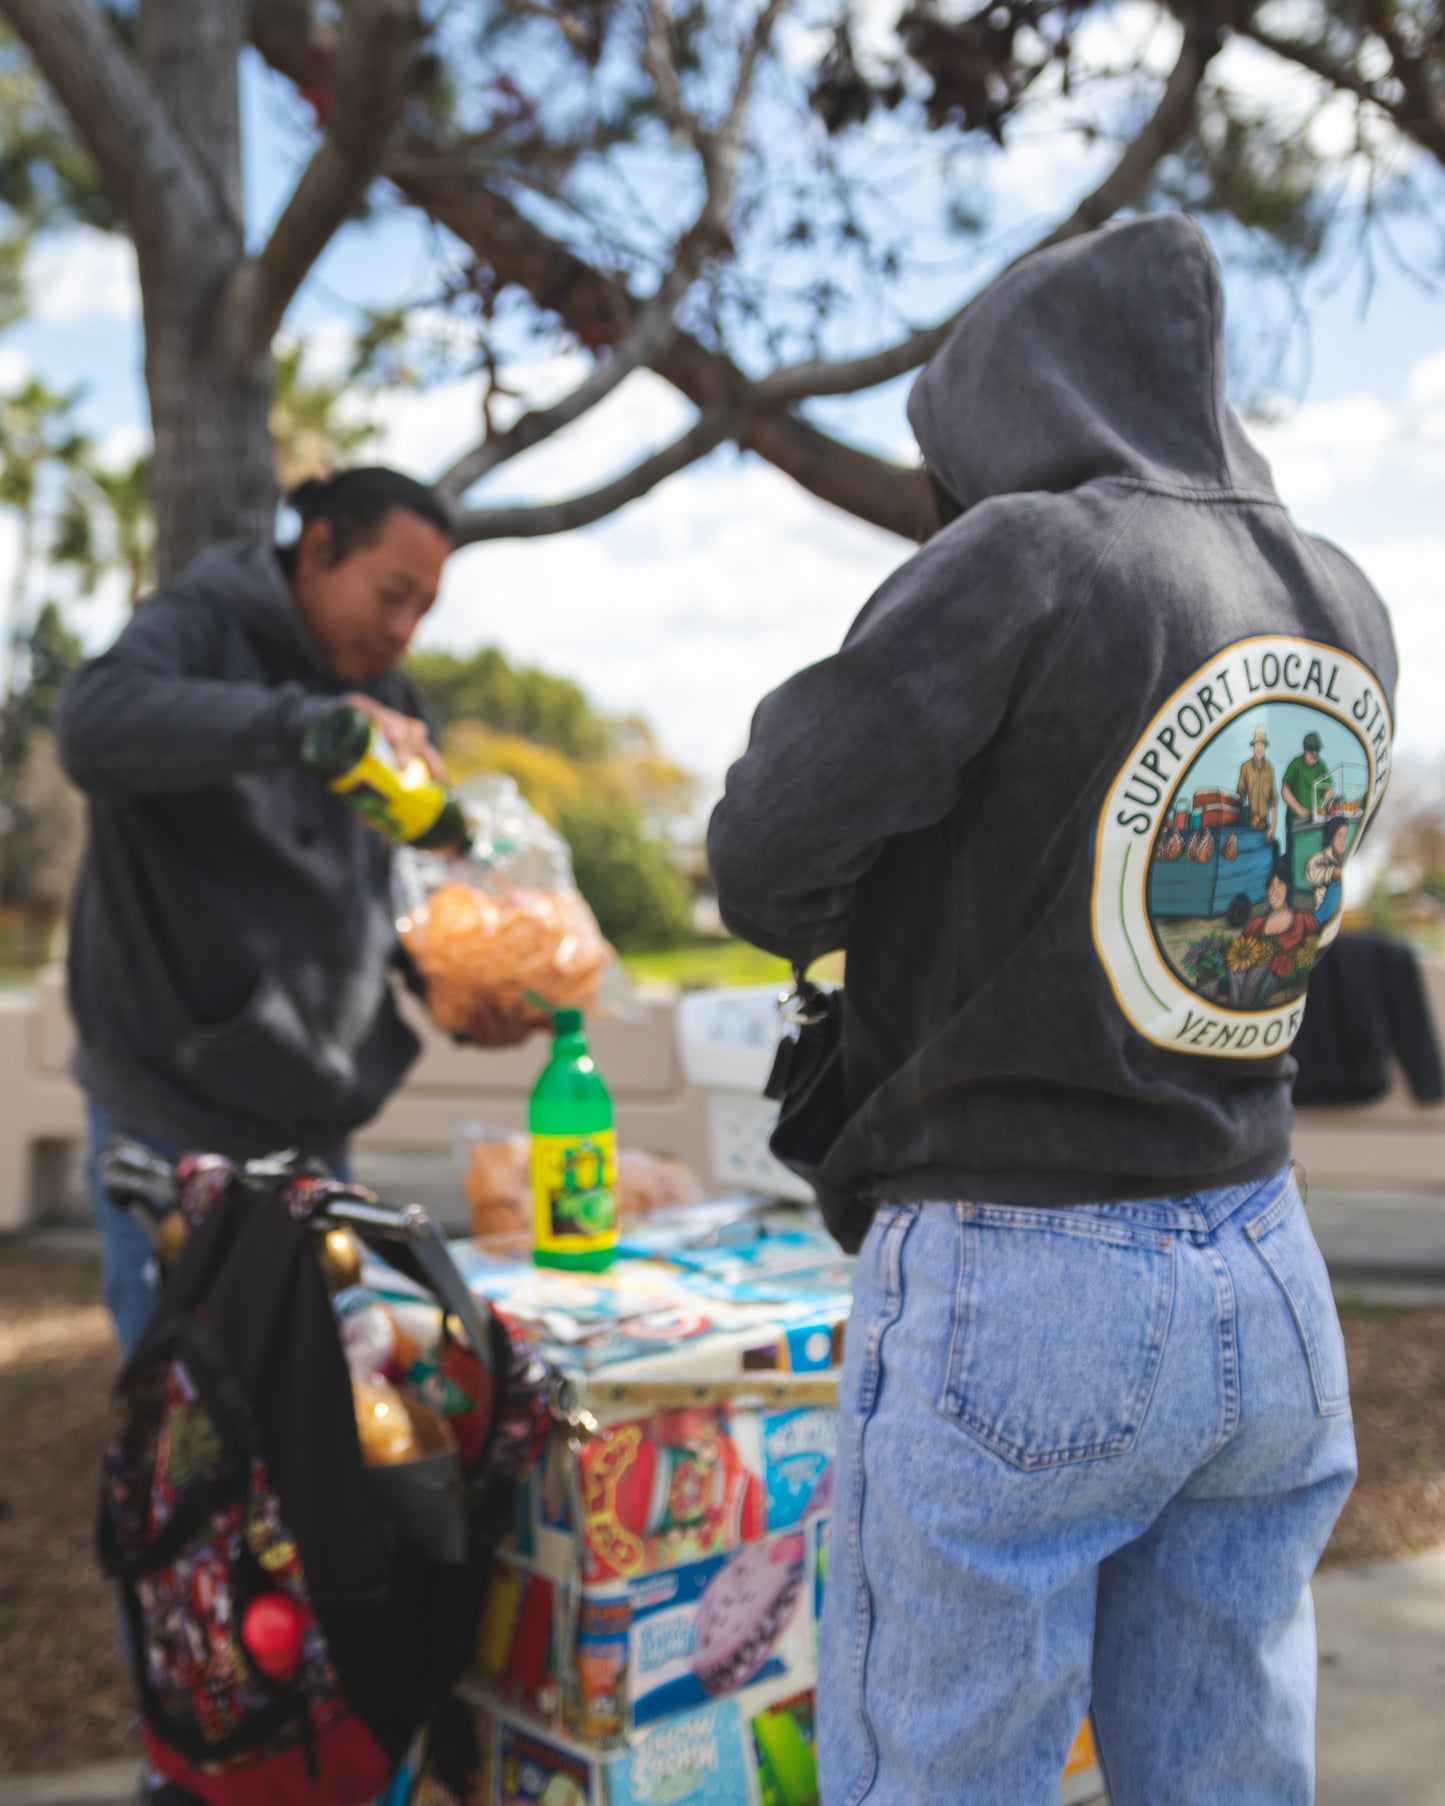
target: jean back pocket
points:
(1284, 1241)
(1059, 1325)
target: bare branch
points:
(1123, 185)
(146, 169)
(649, 334)
(654, 326)
(896, 497)
(529, 522)
(1422, 112)
(1316, 59)
(725, 151)
(662, 67)
(372, 78)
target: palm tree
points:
(39, 441)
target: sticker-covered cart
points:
(651, 1630)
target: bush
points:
(638, 895)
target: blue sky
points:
(691, 603)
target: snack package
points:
(496, 1179)
(383, 1423)
(503, 927)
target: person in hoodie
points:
(231, 937)
(1094, 1418)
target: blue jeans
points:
(1087, 1458)
(127, 1253)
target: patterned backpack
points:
(288, 1637)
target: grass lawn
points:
(710, 964)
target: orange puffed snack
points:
(475, 948)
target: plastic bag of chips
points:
(503, 928)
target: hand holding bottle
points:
(408, 738)
(383, 764)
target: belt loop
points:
(1302, 1181)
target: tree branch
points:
(1123, 185)
(1422, 116)
(372, 77)
(529, 522)
(648, 335)
(654, 327)
(147, 171)
(456, 195)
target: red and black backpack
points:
(289, 1639)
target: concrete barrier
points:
(43, 1114)
(1391, 1143)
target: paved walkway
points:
(1381, 1627)
(1382, 1685)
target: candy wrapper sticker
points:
(697, 1760)
(707, 1630)
(799, 1448)
(531, 1771)
(596, 1708)
(517, 1640)
(664, 1491)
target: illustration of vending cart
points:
(1206, 865)
(1338, 795)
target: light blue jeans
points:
(1088, 1458)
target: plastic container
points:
(574, 1156)
(728, 1040)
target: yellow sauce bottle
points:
(405, 802)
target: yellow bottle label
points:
(402, 803)
(574, 1192)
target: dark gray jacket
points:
(1047, 1001)
(232, 935)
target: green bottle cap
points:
(567, 1022)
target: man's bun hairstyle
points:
(354, 503)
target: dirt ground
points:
(64, 1699)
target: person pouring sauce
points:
(232, 939)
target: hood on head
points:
(1099, 357)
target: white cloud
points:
(1331, 449)
(687, 606)
(1328, 446)
(83, 275)
(1409, 572)
(15, 367)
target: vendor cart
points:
(651, 1630)
(1339, 795)
(1216, 886)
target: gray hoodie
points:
(1076, 957)
(232, 935)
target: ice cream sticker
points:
(1222, 845)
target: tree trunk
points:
(212, 477)
(209, 398)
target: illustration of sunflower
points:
(1306, 954)
(1247, 951)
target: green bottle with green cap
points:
(406, 802)
(574, 1156)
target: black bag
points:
(288, 1637)
(806, 1082)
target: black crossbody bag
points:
(806, 1083)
